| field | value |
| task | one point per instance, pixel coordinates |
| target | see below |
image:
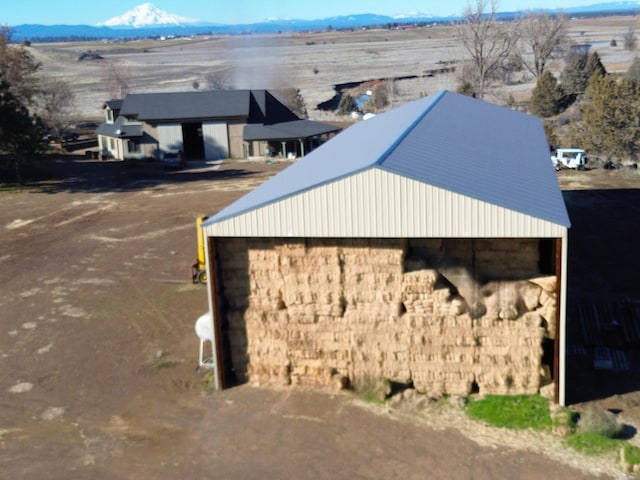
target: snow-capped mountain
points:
(146, 15)
(411, 15)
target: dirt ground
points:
(97, 347)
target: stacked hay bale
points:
(266, 317)
(326, 313)
(506, 257)
(547, 302)
(441, 347)
(372, 273)
(313, 298)
(509, 354)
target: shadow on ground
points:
(71, 173)
(603, 308)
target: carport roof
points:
(450, 141)
(287, 130)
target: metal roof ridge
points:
(408, 130)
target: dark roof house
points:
(207, 125)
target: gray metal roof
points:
(187, 105)
(447, 140)
(287, 130)
(120, 129)
(113, 104)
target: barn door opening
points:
(192, 140)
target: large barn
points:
(426, 246)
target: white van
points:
(569, 158)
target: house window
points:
(133, 147)
(109, 116)
(112, 144)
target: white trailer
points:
(569, 158)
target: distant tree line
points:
(602, 110)
(495, 49)
(598, 111)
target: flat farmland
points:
(313, 62)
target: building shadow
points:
(603, 304)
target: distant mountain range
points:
(148, 21)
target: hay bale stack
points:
(311, 279)
(509, 355)
(548, 302)
(372, 285)
(418, 291)
(324, 313)
(506, 257)
(269, 344)
(442, 354)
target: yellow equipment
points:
(199, 269)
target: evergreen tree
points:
(610, 123)
(296, 103)
(347, 105)
(20, 133)
(579, 69)
(547, 96)
(574, 76)
(465, 88)
(19, 68)
(594, 66)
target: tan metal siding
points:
(236, 144)
(216, 140)
(170, 137)
(375, 203)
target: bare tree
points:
(543, 36)
(629, 39)
(55, 104)
(116, 80)
(218, 81)
(488, 43)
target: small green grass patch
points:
(593, 444)
(372, 389)
(512, 411)
(632, 454)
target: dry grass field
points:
(313, 62)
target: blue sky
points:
(74, 12)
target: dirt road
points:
(97, 355)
